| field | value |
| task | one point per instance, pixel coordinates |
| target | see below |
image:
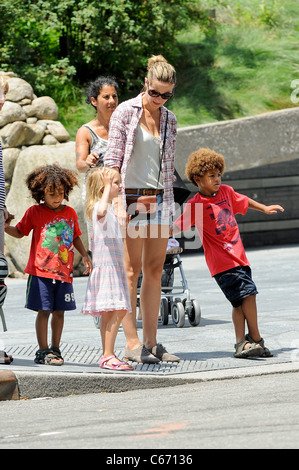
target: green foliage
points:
(240, 64)
(55, 43)
(245, 68)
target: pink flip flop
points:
(114, 365)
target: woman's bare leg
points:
(132, 261)
(154, 251)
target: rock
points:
(50, 140)
(20, 133)
(31, 120)
(25, 101)
(11, 112)
(19, 198)
(18, 90)
(13, 134)
(35, 133)
(58, 131)
(42, 108)
(9, 160)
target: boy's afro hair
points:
(201, 161)
(52, 178)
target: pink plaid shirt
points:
(122, 132)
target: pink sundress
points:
(107, 286)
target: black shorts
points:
(236, 284)
(49, 294)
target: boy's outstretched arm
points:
(85, 258)
(263, 208)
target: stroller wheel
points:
(178, 314)
(164, 311)
(194, 314)
(97, 322)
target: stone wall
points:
(32, 136)
(246, 142)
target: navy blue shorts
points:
(236, 284)
(49, 294)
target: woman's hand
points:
(92, 159)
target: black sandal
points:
(267, 352)
(46, 357)
(252, 350)
(5, 358)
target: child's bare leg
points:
(239, 323)
(57, 327)
(247, 312)
(110, 323)
(250, 312)
(41, 327)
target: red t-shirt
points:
(52, 249)
(214, 219)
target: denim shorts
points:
(49, 294)
(236, 284)
(151, 219)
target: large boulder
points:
(19, 197)
(11, 112)
(20, 133)
(43, 108)
(19, 89)
(10, 156)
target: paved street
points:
(248, 413)
(208, 346)
(209, 400)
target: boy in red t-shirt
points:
(212, 211)
(50, 266)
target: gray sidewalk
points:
(206, 351)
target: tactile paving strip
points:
(76, 355)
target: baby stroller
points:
(171, 301)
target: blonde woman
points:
(141, 147)
(107, 293)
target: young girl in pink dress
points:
(107, 293)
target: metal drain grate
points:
(87, 357)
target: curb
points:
(28, 385)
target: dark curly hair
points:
(94, 88)
(201, 161)
(52, 178)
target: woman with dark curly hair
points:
(50, 267)
(92, 137)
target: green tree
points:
(56, 44)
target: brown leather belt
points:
(144, 192)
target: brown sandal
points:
(267, 352)
(253, 350)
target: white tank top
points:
(143, 167)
